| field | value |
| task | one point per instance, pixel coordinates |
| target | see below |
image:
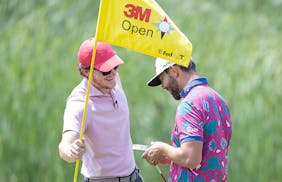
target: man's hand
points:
(76, 149)
(71, 147)
(154, 154)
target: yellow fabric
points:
(142, 26)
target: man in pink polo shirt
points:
(106, 148)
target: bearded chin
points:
(176, 96)
(174, 88)
(175, 93)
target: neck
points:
(192, 77)
(103, 89)
(187, 78)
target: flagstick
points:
(90, 76)
(160, 172)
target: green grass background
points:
(236, 44)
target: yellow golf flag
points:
(142, 26)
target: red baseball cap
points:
(105, 59)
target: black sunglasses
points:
(108, 72)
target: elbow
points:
(60, 150)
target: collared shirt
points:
(203, 116)
(107, 130)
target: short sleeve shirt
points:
(203, 116)
(107, 130)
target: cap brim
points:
(155, 81)
(110, 64)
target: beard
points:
(173, 88)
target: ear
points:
(175, 70)
(85, 72)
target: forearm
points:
(178, 156)
(64, 152)
(188, 155)
(71, 147)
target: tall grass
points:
(237, 46)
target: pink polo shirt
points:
(107, 130)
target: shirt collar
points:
(192, 84)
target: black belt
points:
(131, 178)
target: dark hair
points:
(80, 67)
(191, 66)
